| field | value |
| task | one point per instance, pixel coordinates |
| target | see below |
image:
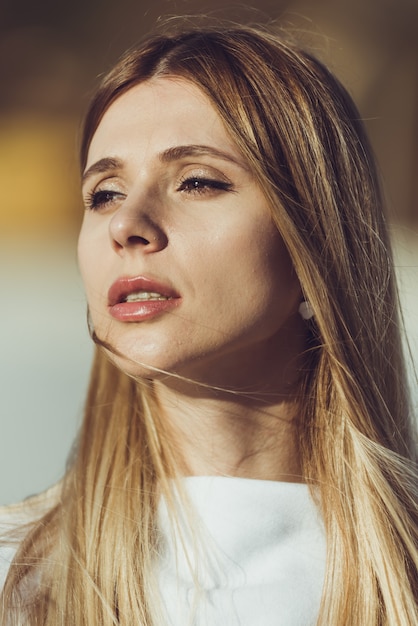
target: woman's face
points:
(183, 267)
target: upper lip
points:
(125, 285)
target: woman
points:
(242, 298)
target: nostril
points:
(137, 240)
(129, 228)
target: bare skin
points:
(233, 438)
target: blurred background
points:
(51, 55)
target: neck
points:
(229, 433)
(238, 415)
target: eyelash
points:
(97, 199)
(194, 185)
(198, 185)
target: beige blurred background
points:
(51, 53)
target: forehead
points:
(155, 115)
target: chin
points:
(132, 366)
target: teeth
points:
(139, 296)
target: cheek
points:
(249, 277)
(281, 271)
(277, 285)
(90, 263)
(84, 256)
(265, 264)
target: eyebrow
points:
(103, 165)
(167, 156)
(179, 152)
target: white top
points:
(256, 556)
(261, 555)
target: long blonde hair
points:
(301, 135)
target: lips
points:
(140, 298)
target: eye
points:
(202, 185)
(98, 199)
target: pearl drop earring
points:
(306, 310)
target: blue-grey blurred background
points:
(51, 54)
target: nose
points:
(132, 227)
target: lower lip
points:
(141, 311)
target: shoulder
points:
(15, 517)
(16, 520)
